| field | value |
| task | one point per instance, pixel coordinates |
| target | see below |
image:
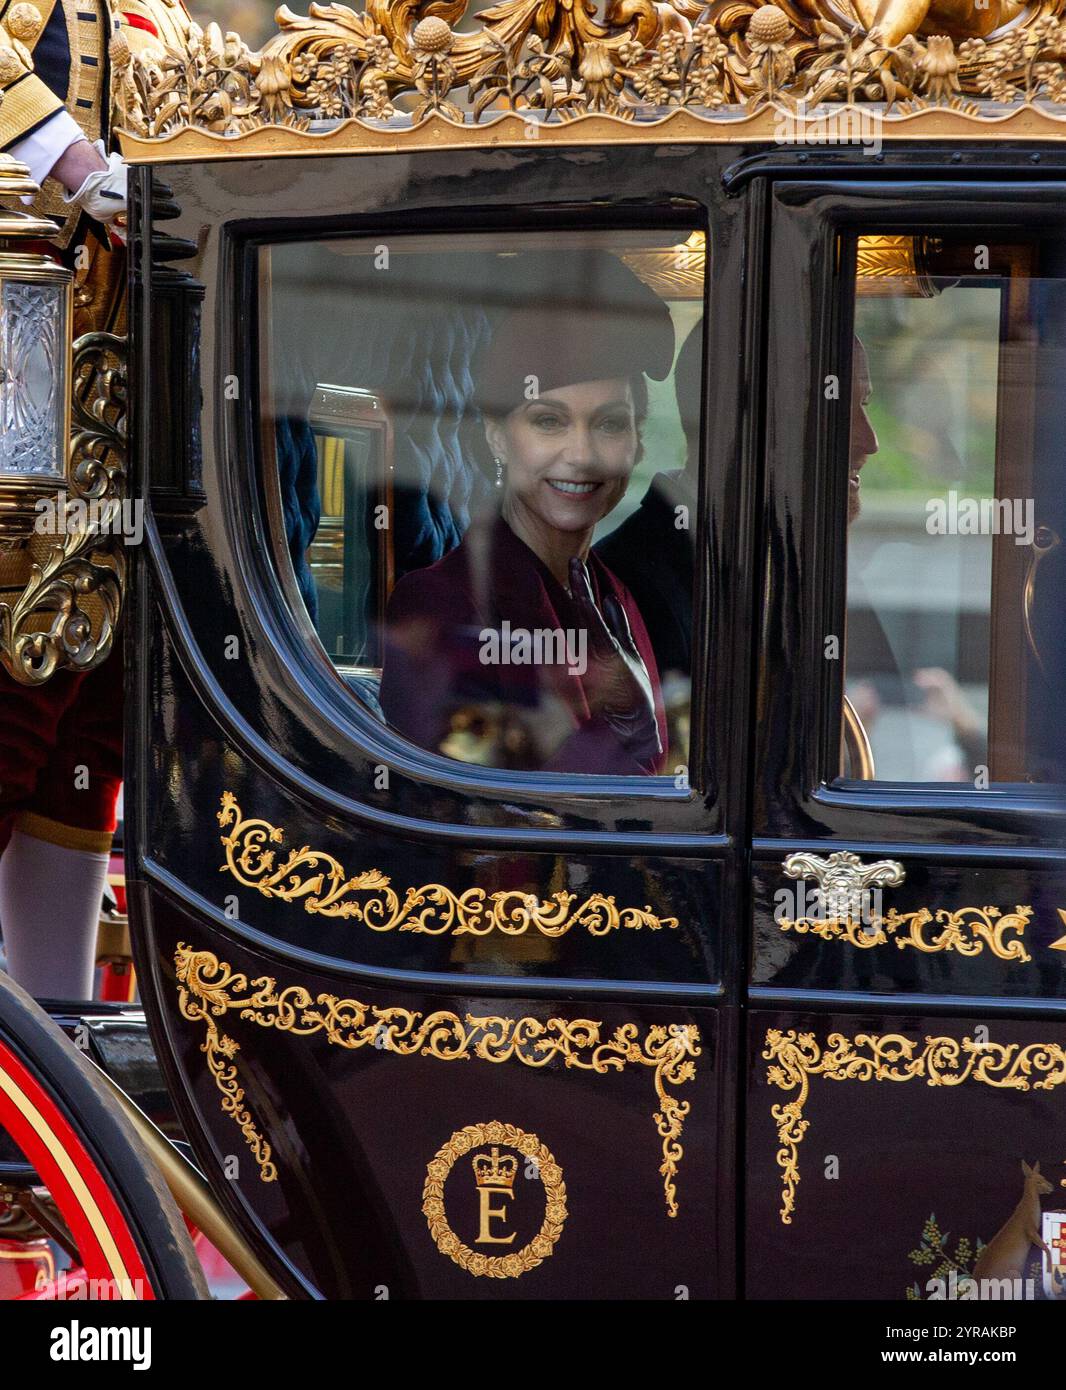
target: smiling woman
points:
(446, 504)
(562, 398)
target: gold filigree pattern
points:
(517, 1262)
(967, 931)
(893, 265)
(325, 888)
(553, 61)
(67, 614)
(938, 1061)
(209, 989)
(886, 257)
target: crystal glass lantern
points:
(36, 298)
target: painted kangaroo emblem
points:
(1005, 1254)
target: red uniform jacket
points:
(455, 659)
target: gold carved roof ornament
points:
(401, 74)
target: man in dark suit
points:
(653, 551)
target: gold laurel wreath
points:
(551, 1175)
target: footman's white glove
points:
(103, 194)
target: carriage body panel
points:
(343, 1024)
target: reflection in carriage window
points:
(485, 505)
(955, 658)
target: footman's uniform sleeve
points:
(42, 149)
(53, 56)
(27, 97)
(54, 76)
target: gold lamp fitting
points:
(36, 307)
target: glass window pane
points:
(33, 332)
(484, 450)
(956, 507)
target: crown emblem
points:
(490, 1170)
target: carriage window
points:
(482, 452)
(956, 513)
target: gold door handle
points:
(857, 744)
(1044, 542)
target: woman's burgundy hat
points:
(578, 316)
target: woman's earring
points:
(499, 472)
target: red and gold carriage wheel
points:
(130, 1238)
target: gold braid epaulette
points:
(25, 100)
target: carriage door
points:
(439, 947)
(906, 1036)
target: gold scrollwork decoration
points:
(100, 409)
(401, 63)
(967, 931)
(67, 614)
(516, 1262)
(796, 1057)
(325, 888)
(843, 897)
(208, 989)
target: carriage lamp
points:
(36, 296)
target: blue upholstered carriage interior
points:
(421, 366)
(301, 505)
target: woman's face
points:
(568, 456)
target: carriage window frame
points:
(296, 633)
(842, 228)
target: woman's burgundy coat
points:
(436, 623)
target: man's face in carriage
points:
(863, 441)
(568, 455)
